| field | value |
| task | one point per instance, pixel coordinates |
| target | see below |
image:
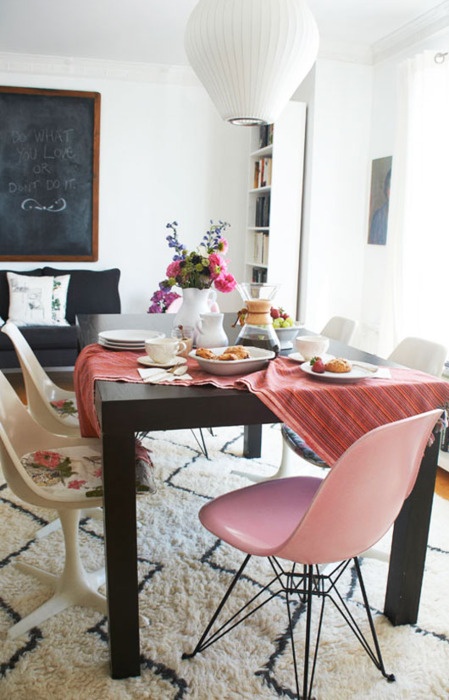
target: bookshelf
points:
(275, 180)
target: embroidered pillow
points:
(37, 301)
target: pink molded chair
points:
(311, 521)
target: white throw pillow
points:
(37, 301)
(59, 299)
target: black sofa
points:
(89, 292)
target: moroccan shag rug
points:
(183, 572)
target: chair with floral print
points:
(52, 407)
(59, 472)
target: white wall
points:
(383, 130)
(165, 155)
(336, 190)
(351, 121)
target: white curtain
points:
(417, 287)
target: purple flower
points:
(162, 299)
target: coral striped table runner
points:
(329, 416)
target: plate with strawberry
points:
(335, 369)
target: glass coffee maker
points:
(257, 329)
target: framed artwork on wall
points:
(379, 200)
(49, 171)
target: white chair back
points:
(40, 389)
(421, 354)
(340, 328)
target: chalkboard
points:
(49, 160)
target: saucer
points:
(148, 362)
(297, 357)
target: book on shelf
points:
(260, 252)
(256, 175)
(259, 274)
(265, 246)
(262, 210)
(265, 135)
(266, 174)
(262, 172)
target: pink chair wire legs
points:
(312, 522)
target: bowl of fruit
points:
(286, 328)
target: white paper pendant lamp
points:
(251, 55)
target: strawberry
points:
(274, 312)
(317, 365)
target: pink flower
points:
(98, 472)
(58, 404)
(44, 458)
(222, 245)
(173, 269)
(76, 484)
(225, 283)
(216, 265)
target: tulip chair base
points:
(73, 587)
(94, 513)
(307, 583)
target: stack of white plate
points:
(126, 339)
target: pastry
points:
(233, 352)
(338, 365)
(241, 352)
(228, 356)
(206, 354)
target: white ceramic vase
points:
(195, 302)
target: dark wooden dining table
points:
(125, 409)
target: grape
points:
(283, 322)
(280, 318)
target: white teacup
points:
(163, 350)
(311, 345)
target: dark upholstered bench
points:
(89, 292)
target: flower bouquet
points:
(202, 268)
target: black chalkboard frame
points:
(67, 167)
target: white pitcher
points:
(194, 303)
(210, 332)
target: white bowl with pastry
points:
(339, 369)
(234, 359)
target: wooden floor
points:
(64, 379)
(442, 483)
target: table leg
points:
(121, 553)
(409, 545)
(252, 441)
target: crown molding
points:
(36, 64)
(427, 25)
(348, 52)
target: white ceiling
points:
(152, 31)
